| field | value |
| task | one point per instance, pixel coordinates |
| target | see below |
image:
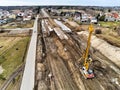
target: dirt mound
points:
(40, 67)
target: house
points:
(55, 12)
(77, 16)
(116, 16)
(113, 16)
(27, 18)
(15, 12)
(3, 14)
(84, 17)
(12, 16)
(108, 17)
(21, 14)
(27, 11)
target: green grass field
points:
(13, 58)
(28, 24)
(109, 24)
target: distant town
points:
(80, 14)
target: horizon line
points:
(59, 5)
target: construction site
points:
(74, 57)
(58, 53)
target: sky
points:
(60, 2)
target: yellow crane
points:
(86, 71)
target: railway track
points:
(61, 58)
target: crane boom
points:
(86, 63)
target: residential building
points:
(12, 16)
(112, 16)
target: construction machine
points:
(85, 70)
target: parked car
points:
(2, 22)
(93, 20)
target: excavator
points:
(85, 70)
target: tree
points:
(59, 7)
(37, 10)
(109, 10)
(102, 18)
(98, 16)
(2, 77)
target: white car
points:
(93, 20)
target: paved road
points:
(29, 72)
(44, 13)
